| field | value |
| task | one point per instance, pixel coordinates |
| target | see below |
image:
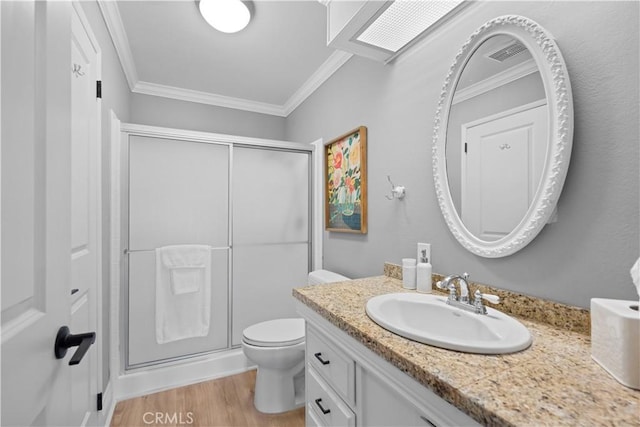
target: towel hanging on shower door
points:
(183, 292)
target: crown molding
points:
(172, 92)
(336, 60)
(499, 79)
(115, 27)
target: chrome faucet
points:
(462, 301)
(447, 283)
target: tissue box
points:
(615, 339)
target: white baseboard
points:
(159, 378)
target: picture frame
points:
(345, 173)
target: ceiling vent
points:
(507, 52)
(381, 30)
(403, 21)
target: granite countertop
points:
(553, 382)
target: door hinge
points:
(465, 148)
(99, 402)
(99, 89)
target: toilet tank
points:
(317, 277)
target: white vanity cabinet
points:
(348, 385)
(336, 367)
(324, 403)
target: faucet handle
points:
(477, 302)
(493, 299)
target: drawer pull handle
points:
(319, 357)
(427, 420)
(324, 411)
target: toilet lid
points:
(275, 333)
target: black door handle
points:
(66, 340)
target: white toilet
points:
(277, 348)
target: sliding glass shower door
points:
(250, 203)
(178, 195)
(271, 243)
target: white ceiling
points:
(167, 49)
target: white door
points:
(36, 213)
(85, 251)
(501, 169)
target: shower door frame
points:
(126, 131)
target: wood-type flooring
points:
(225, 402)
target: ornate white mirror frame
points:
(558, 93)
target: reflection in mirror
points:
(497, 137)
(507, 98)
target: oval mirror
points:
(502, 136)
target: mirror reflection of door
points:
(499, 101)
(501, 166)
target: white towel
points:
(186, 280)
(183, 292)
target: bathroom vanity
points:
(348, 385)
(361, 374)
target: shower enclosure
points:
(250, 200)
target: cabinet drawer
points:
(327, 407)
(310, 418)
(334, 366)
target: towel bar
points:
(128, 251)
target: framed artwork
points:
(346, 182)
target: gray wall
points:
(589, 251)
(115, 96)
(171, 113)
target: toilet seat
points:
(275, 333)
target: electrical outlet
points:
(422, 247)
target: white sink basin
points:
(430, 320)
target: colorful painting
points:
(346, 182)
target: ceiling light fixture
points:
(227, 16)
